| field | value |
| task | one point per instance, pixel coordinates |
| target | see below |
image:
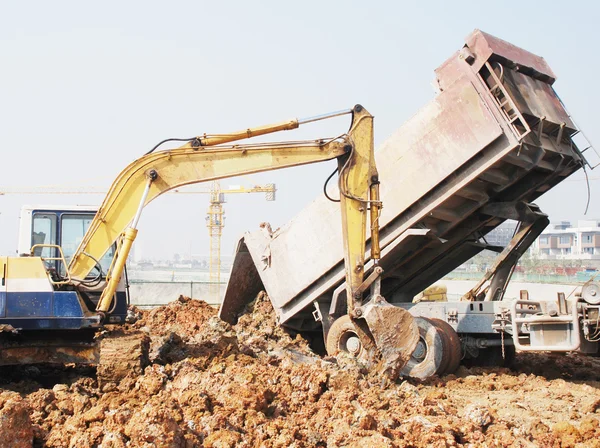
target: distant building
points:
(564, 241)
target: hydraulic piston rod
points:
(129, 235)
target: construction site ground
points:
(253, 385)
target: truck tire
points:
(342, 337)
(453, 352)
(428, 356)
(446, 345)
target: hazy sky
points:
(87, 87)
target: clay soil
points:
(253, 385)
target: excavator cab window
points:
(44, 232)
(72, 230)
(66, 229)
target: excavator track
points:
(23, 348)
(116, 353)
(122, 354)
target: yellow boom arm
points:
(200, 160)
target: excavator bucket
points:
(393, 336)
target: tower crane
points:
(214, 219)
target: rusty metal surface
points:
(536, 98)
(438, 140)
(485, 45)
(457, 154)
(258, 246)
(245, 287)
(454, 127)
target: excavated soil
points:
(253, 385)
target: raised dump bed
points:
(494, 138)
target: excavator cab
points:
(42, 227)
(54, 233)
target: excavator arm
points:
(212, 157)
(154, 174)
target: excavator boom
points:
(184, 166)
(213, 157)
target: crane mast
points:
(215, 222)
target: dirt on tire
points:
(254, 385)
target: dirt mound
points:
(257, 328)
(184, 316)
(16, 429)
(252, 384)
(185, 328)
(560, 365)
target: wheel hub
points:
(420, 350)
(353, 345)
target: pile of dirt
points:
(184, 316)
(258, 329)
(16, 429)
(185, 328)
(215, 385)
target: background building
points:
(565, 241)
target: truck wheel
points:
(453, 353)
(342, 337)
(427, 358)
(446, 345)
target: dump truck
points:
(69, 282)
(495, 138)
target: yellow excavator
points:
(52, 307)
